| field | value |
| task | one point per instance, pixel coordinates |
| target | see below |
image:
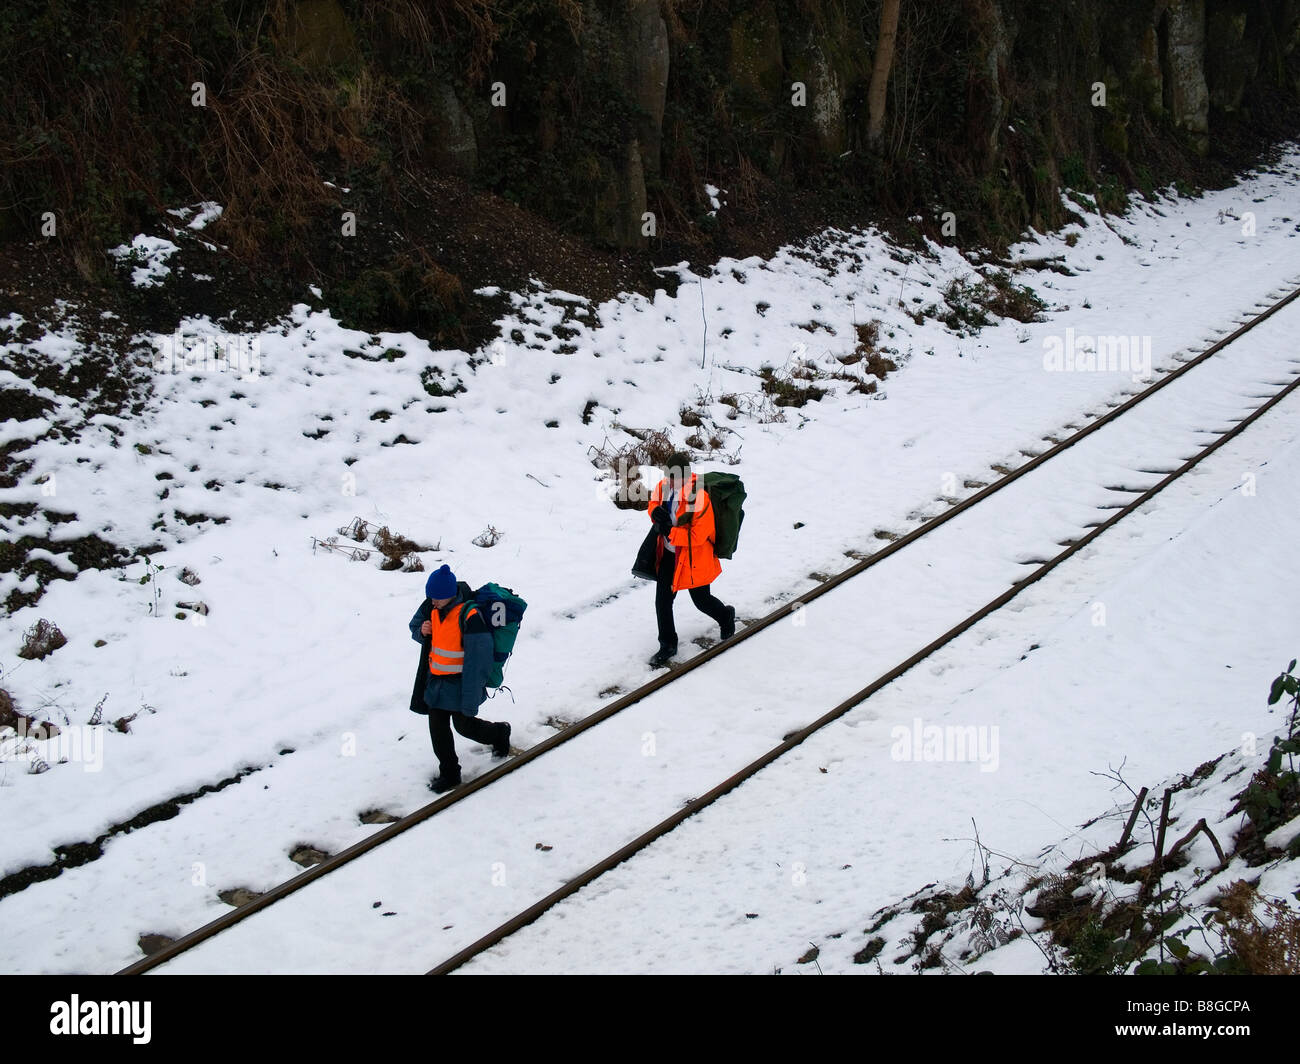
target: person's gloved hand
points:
(662, 521)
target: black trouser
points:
(444, 746)
(705, 601)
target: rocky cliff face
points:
(605, 119)
(1183, 88)
(777, 87)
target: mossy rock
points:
(321, 37)
(1231, 59)
(1184, 71)
(755, 66)
(826, 85)
(619, 199)
(1114, 136)
(454, 143)
(403, 294)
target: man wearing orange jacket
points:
(681, 512)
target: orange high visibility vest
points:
(447, 644)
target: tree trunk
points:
(880, 73)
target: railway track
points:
(1219, 394)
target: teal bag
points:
(502, 609)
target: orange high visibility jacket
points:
(692, 535)
(447, 642)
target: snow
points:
(309, 653)
(152, 253)
(1281, 838)
(206, 212)
(1177, 675)
(654, 756)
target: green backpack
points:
(503, 610)
(727, 497)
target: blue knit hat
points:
(441, 584)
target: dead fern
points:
(1266, 946)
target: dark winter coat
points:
(459, 694)
(646, 565)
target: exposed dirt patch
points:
(238, 896)
(378, 816)
(151, 943)
(307, 856)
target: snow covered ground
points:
(657, 754)
(864, 813)
(307, 652)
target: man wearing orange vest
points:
(451, 683)
(681, 511)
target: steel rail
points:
(378, 838)
(661, 829)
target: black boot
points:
(665, 655)
(444, 782)
(729, 625)
(501, 748)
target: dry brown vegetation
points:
(41, 640)
(649, 448)
(8, 710)
(1267, 944)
